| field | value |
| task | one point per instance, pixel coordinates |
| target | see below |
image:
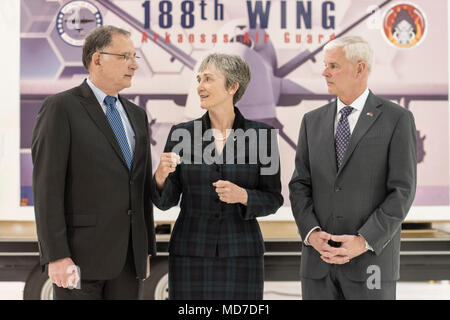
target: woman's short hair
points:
(233, 67)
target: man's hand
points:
(230, 193)
(63, 273)
(319, 241)
(351, 247)
(148, 268)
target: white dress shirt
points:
(100, 95)
(357, 105)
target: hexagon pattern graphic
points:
(41, 20)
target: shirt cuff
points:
(368, 247)
(306, 242)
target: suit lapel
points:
(96, 113)
(134, 124)
(238, 156)
(330, 115)
(367, 118)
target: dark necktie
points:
(117, 126)
(342, 134)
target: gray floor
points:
(405, 290)
(291, 290)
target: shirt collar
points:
(358, 104)
(99, 94)
(239, 120)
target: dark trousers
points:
(336, 286)
(124, 287)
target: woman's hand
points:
(167, 164)
(230, 193)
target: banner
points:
(282, 41)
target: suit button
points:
(130, 212)
(337, 189)
(131, 181)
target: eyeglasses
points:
(126, 56)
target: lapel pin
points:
(370, 114)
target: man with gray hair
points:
(92, 178)
(354, 182)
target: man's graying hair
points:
(99, 39)
(355, 48)
(233, 67)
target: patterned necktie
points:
(342, 134)
(116, 124)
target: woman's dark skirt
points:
(200, 278)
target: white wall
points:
(9, 113)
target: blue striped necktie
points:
(342, 137)
(116, 124)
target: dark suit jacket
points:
(206, 226)
(369, 195)
(86, 200)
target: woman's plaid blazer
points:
(206, 226)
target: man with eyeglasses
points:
(92, 176)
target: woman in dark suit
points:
(227, 170)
